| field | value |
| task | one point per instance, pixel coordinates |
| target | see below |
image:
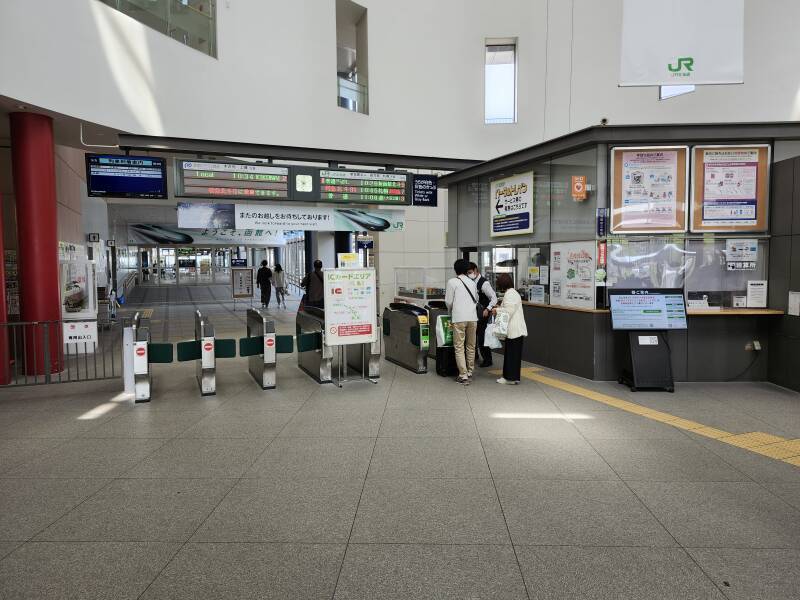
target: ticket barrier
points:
(205, 349)
(406, 333)
(313, 356)
(435, 308)
(262, 346)
(365, 358)
(136, 339)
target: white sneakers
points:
(505, 381)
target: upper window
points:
(191, 22)
(500, 82)
(352, 71)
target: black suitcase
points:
(446, 361)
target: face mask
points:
(473, 276)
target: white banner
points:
(680, 42)
(310, 218)
(572, 274)
(144, 234)
(350, 306)
(80, 332)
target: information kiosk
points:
(647, 315)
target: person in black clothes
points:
(264, 281)
(314, 285)
(488, 299)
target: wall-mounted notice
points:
(425, 191)
(741, 254)
(347, 260)
(79, 332)
(730, 188)
(536, 294)
(241, 282)
(78, 290)
(794, 304)
(756, 294)
(572, 274)
(511, 205)
(202, 179)
(648, 189)
(350, 306)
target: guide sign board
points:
(350, 306)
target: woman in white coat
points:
(517, 330)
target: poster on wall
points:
(350, 306)
(78, 290)
(730, 191)
(511, 205)
(648, 189)
(242, 283)
(741, 254)
(572, 274)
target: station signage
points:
(350, 306)
(202, 179)
(511, 205)
(425, 191)
(363, 187)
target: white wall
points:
(274, 81)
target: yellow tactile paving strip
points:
(146, 313)
(766, 444)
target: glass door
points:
(222, 264)
(187, 266)
(166, 266)
(205, 269)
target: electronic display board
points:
(205, 179)
(656, 309)
(366, 187)
(120, 176)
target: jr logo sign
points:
(682, 67)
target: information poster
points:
(511, 205)
(242, 282)
(425, 191)
(730, 186)
(756, 294)
(347, 260)
(78, 290)
(350, 306)
(741, 254)
(572, 274)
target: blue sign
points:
(425, 191)
(602, 222)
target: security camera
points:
(604, 121)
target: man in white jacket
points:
(461, 298)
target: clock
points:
(304, 183)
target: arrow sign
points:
(498, 206)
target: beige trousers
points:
(464, 345)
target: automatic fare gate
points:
(406, 336)
(262, 346)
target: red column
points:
(34, 175)
(5, 371)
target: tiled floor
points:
(411, 488)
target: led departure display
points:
(367, 187)
(200, 179)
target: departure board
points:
(367, 187)
(200, 179)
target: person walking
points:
(461, 297)
(487, 299)
(279, 280)
(517, 330)
(264, 281)
(314, 285)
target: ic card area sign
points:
(350, 306)
(366, 187)
(647, 309)
(202, 179)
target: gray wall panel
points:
(782, 197)
(780, 258)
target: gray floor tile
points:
(546, 459)
(333, 423)
(427, 395)
(756, 466)
(731, 514)
(57, 423)
(789, 492)
(16, 451)
(29, 505)
(203, 458)
(7, 548)
(88, 458)
(146, 424)
(308, 458)
(240, 424)
(436, 511)
(428, 423)
(613, 573)
(250, 572)
(143, 510)
(402, 571)
(620, 425)
(82, 570)
(546, 426)
(593, 513)
(264, 510)
(752, 574)
(665, 460)
(408, 458)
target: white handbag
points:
(500, 329)
(490, 339)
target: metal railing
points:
(353, 95)
(191, 22)
(37, 354)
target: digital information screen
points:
(368, 187)
(113, 175)
(199, 179)
(647, 309)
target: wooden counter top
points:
(725, 312)
(573, 309)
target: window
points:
(500, 82)
(351, 57)
(670, 91)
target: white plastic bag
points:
(500, 329)
(490, 339)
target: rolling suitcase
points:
(446, 361)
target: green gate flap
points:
(188, 350)
(385, 326)
(309, 341)
(250, 346)
(284, 344)
(159, 352)
(225, 348)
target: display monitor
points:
(364, 187)
(643, 309)
(251, 181)
(120, 176)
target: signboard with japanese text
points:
(572, 274)
(364, 187)
(511, 205)
(309, 218)
(741, 254)
(350, 306)
(207, 179)
(145, 234)
(79, 332)
(425, 191)
(242, 282)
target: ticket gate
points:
(435, 308)
(206, 368)
(262, 365)
(365, 358)
(313, 356)
(141, 362)
(406, 333)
